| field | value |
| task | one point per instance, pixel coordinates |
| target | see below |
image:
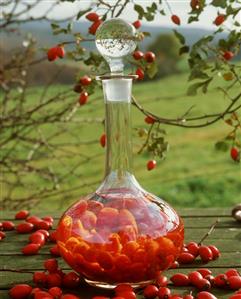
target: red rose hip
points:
(56, 292)
(20, 291)
(93, 28)
(150, 292)
(140, 73)
(8, 225)
(234, 282)
(149, 120)
(205, 295)
(204, 272)
(60, 51)
(137, 55)
(164, 293)
(83, 98)
(31, 249)
(205, 253)
(180, 280)
(137, 24)
(228, 55)
(176, 20)
(103, 140)
(215, 251)
(37, 238)
(24, 228)
(186, 258)
(220, 281)
(39, 278)
(151, 164)
(52, 54)
(219, 20)
(193, 248)
(234, 153)
(71, 280)
(53, 280)
(195, 277)
(161, 281)
(149, 57)
(51, 265)
(85, 80)
(92, 16)
(23, 214)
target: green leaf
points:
(81, 13)
(183, 50)
(162, 12)
(221, 146)
(146, 34)
(236, 23)
(205, 85)
(149, 16)
(54, 26)
(192, 90)
(197, 73)
(180, 37)
(139, 9)
(69, 27)
(219, 3)
(192, 19)
(232, 10)
(152, 8)
(152, 70)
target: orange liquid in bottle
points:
(115, 237)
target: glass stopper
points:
(115, 39)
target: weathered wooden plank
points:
(226, 236)
(10, 246)
(233, 233)
(230, 259)
(88, 292)
(184, 212)
(206, 222)
(193, 222)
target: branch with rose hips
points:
(201, 67)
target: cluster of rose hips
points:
(80, 88)
(39, 229)
(96, 22)
(56, 52)
(192, 250)
(48, 284)
(203, 280)
(148, 57)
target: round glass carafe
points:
(120, 233)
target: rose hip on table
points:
(55, 279)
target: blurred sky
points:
(179, 7)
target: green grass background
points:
(193, 174)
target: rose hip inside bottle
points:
(120, 233)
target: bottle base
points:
(105, 285)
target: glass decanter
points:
(120, 233)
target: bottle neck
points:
(118, 128)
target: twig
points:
(15, 271)
(209, 232)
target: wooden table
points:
(226, 236)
